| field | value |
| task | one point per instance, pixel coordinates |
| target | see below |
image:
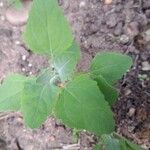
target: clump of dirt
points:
(123, 26)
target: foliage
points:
(115, 142)
(80, 100)
(16, 3)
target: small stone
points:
(131, 112)
(128, 92)
(18, 16)
(29, 65)
(24, 57)
(147, 35)
(23, 69)
(17, 42)
(30, 73)
(2, 18)
(1, 4)
(124, 39)
(52, 138)
(118, 30)
(145, 66)
(133, 29)
(82, 4)
(107, 2)
(131, 128)
(111, 20)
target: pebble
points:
(18, 16)
(17, 42)
(23, 69)
(145, 66)
(2, 18)
(107, 2)
(128, 92)
(30, 73)
(133, 29)
(131, 112)
(1, 4)
(82, 4)
(29, 65)
(111, 20)
(147, 35)
(24, 57)
(124, 39)
(119, 29)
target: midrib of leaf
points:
(40, 99)
(47, 25)
(80, 104)
(72, 95)
(63, 66)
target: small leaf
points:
(65, 62)
(110, 65)
(10, 92)
(38, 101)
(48, 31)
(109, 92)
(110, 143)
(81, 105)
(127, 145)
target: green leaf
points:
(98, 147)
(48, 31)
(38, 101)
(110, 93)
(110, 143)
(10, 92)
(16, 3)
(65, 62)
(81, 105)
(110, 65)
(127, 145)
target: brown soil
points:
(122, 26)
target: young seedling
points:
(80, 100)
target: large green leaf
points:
(81, 105)
(65, 62)
(109, 142)
(110, 93)
(47, 30)
(10, 92)
(110, 65)
(38, 100)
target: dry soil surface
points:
(123, 26)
